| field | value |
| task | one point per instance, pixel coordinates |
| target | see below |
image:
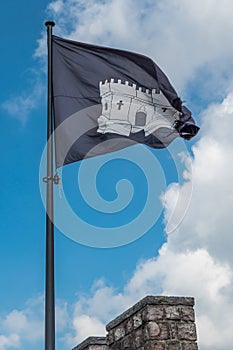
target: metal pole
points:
(49, 283)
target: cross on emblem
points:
(120, 104)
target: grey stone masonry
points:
(93, 343)
(154, 323)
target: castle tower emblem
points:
(128, 109)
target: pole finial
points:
(49, 24)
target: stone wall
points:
(154, 323)
(93, 343)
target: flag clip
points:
(56, 179)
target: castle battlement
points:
(128, 108)
(111, 82)
(112, 87)
(125, 88)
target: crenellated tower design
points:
(127, 109)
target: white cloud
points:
(19, 328)
(16, 321)
(12, 340)
(208, 222)
(20, 107)
(25, 325)
(188, 39)
(56, 6)
(82, 324)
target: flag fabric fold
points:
(106, 99)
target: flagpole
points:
(49, 281)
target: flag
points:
(106, 99)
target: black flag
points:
(107, 99)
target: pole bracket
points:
(56, 179)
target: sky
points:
(180, 198)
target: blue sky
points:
(191, 42)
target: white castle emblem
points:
(128, 109)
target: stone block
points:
(187, 331)
(93, 343)
(129, 326)
(154, 345)
(172, 326)
(137, 320)
(187, 313)
(172, 312)
(98, 347)
(153, 313)
(173, 345)
(116, 346)
(138, 338)
(127, 342)
(189, 346)
(110, 337)
(152, 330)
(119, 333)
(164, 331)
